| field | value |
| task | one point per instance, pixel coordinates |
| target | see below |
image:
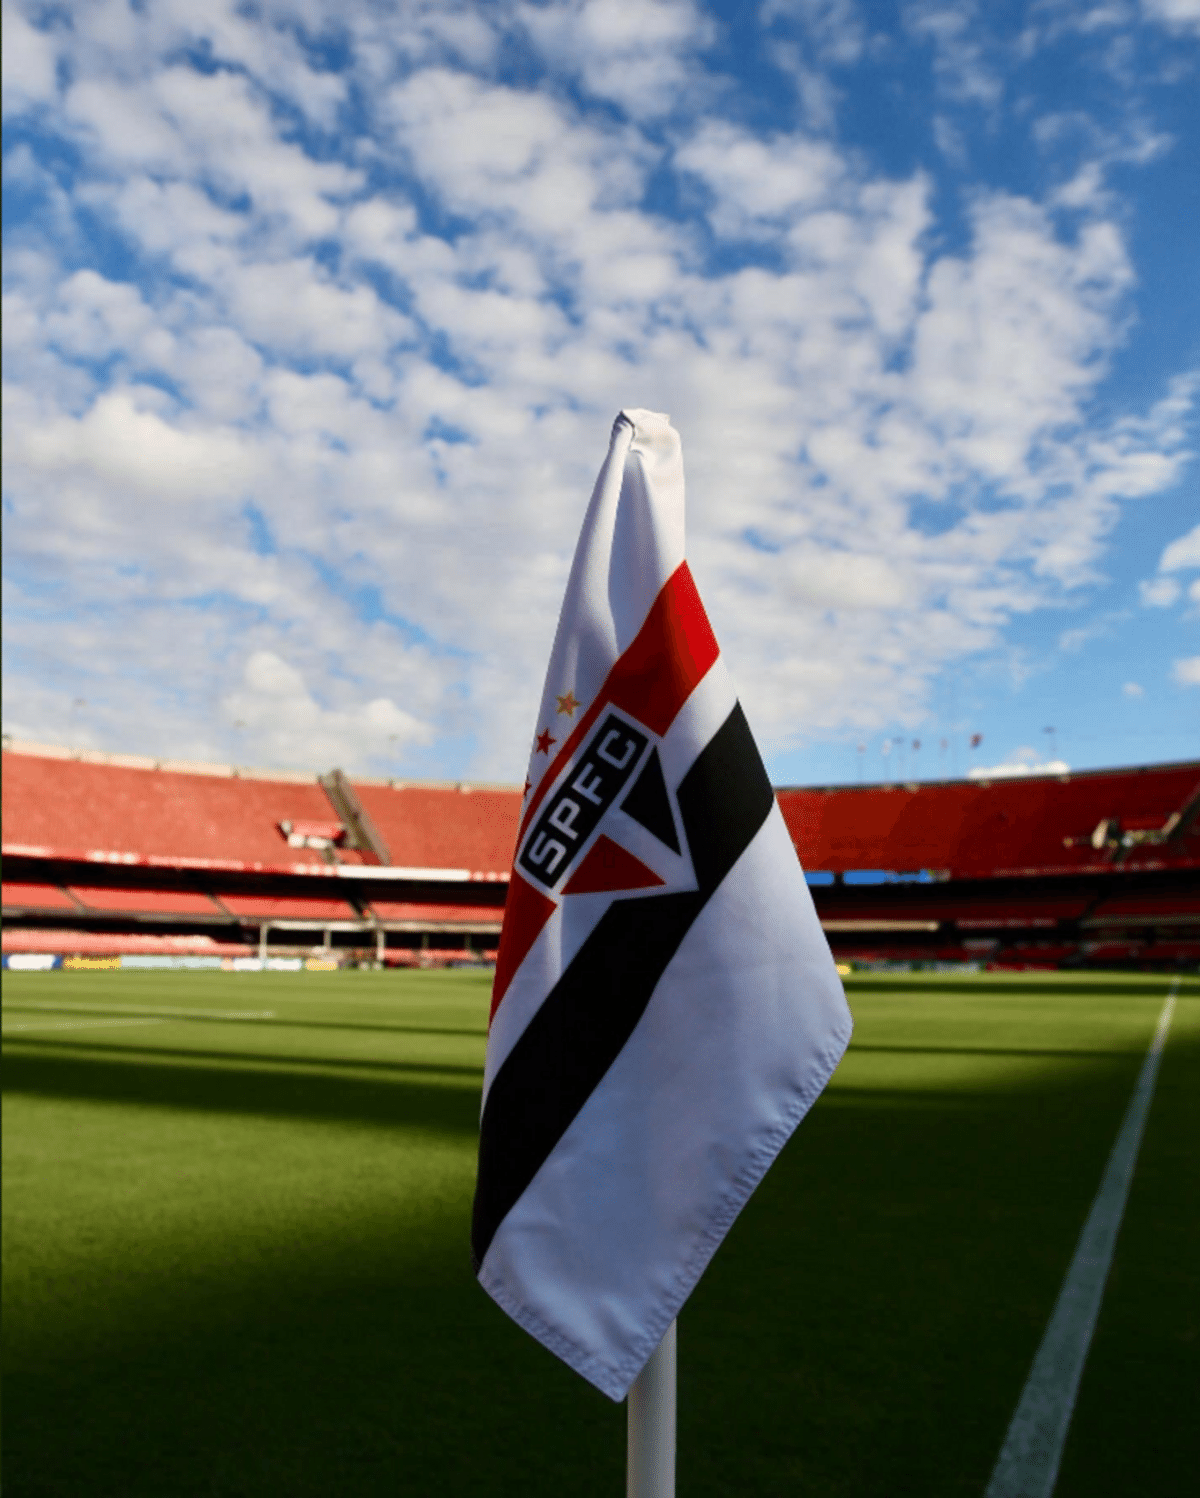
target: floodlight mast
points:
(650, 1463)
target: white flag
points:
(666, 1008)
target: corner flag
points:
(665, 1008)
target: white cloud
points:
(292, 308)
(632, 52)
(949, 139)
(275, 705)
(1180, 555)
(1159, 592)
(962, 65)
(1020, 762)
(1183, 553)
(123, 444)
(1014, 332)
(1132, 689)
(834, 28)
(1178, 15)
(345, 432)
(756, 183)
(505, 152)
(1072, 640)
(1187, 671)
(845, 580)
(29, 70)
(97, 317)
(215, 128)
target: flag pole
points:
(650, 1464)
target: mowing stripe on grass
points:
(149, 1009)
(81, 1024)
(1027, 1466)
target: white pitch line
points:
(1027, 1466)
(156, 1009)
(82, 1024)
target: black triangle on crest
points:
(649, 804)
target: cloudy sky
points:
(317, 316)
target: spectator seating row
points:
(973, 829)
(1019, 871)
(913, 908)
(218, 817)
(78, 899)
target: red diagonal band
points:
(671, 654)
(526, 911)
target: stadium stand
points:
(447, 826)
(144, 902)
(113, 853)
(94, 810)
(33, 897)
(400, 914)
(1142, 818)
(1181, 908)
(93, 943)
(978, 912)
(299, 909)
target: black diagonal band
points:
(591, 1011)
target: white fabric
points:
(740, 1035)
(744, 1030)
(631, 542)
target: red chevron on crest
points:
(609, 867)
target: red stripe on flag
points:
(671, 654)
(526, 911)
(608, 867)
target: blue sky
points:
(317, 316)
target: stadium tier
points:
(1142, 818)
(969, 912)
(117, 809)
(1182, 908)
(111, 853)
(95, 898)
(30, 896)
(301, 909)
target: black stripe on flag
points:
(592, 1010)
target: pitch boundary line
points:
(156, 1010)
(79, 1024)
(1027, 1466)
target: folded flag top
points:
(665, 1008)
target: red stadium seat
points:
(975, 829)
(410, 913)
(136, 901)
(289, 908)
(1176, 906)
(36, 897)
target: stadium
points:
(111, 857)
(768, 1062)
(245, 1016)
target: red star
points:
(568, 704)
(528, 788)
(544, 740)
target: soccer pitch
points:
(236, 1260)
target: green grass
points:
(236, 1254)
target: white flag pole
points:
(650, 1465)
